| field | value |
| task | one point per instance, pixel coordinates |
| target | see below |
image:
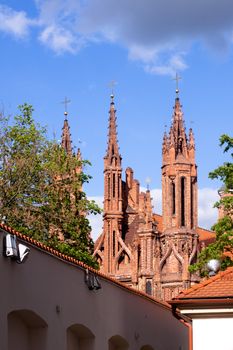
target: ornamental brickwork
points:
(132, 247)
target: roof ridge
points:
(198, 227)
(206, 282)
(72, 260)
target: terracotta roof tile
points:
(71, 260)
(205, 236)
(219, 286)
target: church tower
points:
(179, 239)
(113, 215)
(125, 249)
(66, 142)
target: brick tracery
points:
(132, 248)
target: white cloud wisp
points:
(13, 22)
(159, 34)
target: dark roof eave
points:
(217, 301)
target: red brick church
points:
(140, 248)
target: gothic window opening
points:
(113, 243)
(173, 198)
(119, 184)
(108, 186)
(148, 288)
(182, 201)
(192, 204)
(139, 258)
(109, 253)
(180, 145)
(99, 259)
(114, 186)
(123, 260)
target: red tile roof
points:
(218, 286)
(205, 236)
(71, 260)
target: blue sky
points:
(50, 49)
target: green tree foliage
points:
(222, 248)
(41, 188)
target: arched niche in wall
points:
(146, 347)
(26, 331)
(79, 337)
(116, 342)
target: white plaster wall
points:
(213, 334)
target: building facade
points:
(210, 307)
(134, 247)
(49, 303)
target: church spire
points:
(66, 142)
(66, 136)
(112, 157)
(179, 174)
(178, 136)
(79, 154)
(113, 215)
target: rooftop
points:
(218, 286)
(69, 259)
(205, 236)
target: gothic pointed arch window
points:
(109, 186)
(122, 260)
(173, 191)
(182, 200)
(192, 190)
(148, 287)
(113, 242)
(114, 185)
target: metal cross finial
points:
(111, 84)
(148, 181)
(65, 102)
(177, 78)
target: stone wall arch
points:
(26, 330)
(79, 337)
(117, 342)
(146, 347)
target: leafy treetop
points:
(222, 248)
(41, 188)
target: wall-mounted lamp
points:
(11, 249)
(92, 280)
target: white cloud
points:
(96, 221)
(58, 39)
(159, 34)
(174, 64)
(207, 215)
(155, 32)
(13, 22)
